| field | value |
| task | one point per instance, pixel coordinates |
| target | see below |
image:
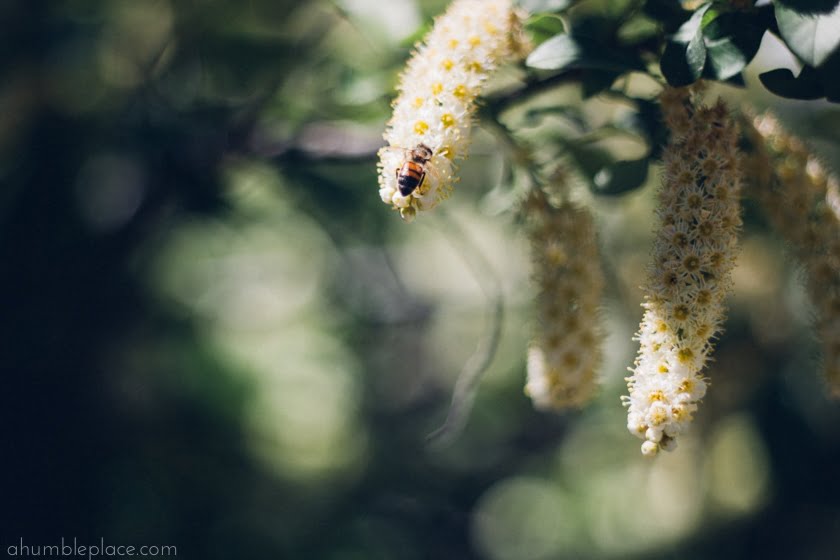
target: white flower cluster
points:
(437, 93)
(565, 354)
(802, 201)
(693, 256)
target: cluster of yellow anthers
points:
(802, 201)
(565, 354)
(693, 256)
(433, 113)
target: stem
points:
(496, 104)
(476, 366)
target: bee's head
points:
(422, 153)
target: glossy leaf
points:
(812, 37)
(682, 64)
(565, 52)
(685, 55)
(731, 40)
(811, 6)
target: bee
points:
(412, 173)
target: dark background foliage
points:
(215, 336)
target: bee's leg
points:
(422, 178)
(397, 173)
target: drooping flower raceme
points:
(693, 256)
(437, 93)
(565, 354)
(802, 201)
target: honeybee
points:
(412, 173)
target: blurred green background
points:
(216, 336)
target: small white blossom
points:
(693, 256)
(565, 353)
(800, 199)
(437, 93)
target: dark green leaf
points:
(685, 55)
(621, 177)
(596, 81)
(682, 64)
(605, 175)
(731, 40)
(669, 13)
(811, 37)
(564, 52)
(543, 27)
(830, 76)
(691, 28)
(811, 6)
(783, 83)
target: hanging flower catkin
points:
(433, 113)
(565, 354)
(693, 256)
(802, 201)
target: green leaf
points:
(811, 6)
(669, 13)
(830, 76)
(596, 81)
(605, 175)
(685, 55)
(621, 177)
(811, 37)
(691, 28)
(564, 52)
(782, 82)
(537, 6)
(731, 41)
(544, 26)
(682, 64)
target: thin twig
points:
(497, 103)
(471, 374)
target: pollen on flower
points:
(685, 355)
(564, 354)
(692, 259)
(657, 395)
(691, 263)
(437, 92)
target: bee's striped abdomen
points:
(409, 177)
